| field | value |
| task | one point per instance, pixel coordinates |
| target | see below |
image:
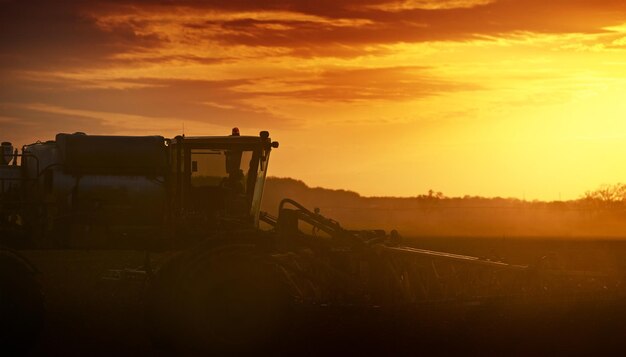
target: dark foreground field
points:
(91, 316)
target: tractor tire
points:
(226, 299)
(21, 304)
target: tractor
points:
(238, 279)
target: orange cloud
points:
(367, 84)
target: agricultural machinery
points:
(237, 278)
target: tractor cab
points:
(217, 182)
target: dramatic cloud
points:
(216, 102)
(37, 34)
(373, 84)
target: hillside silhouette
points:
(600, 213)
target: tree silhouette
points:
(607, 193)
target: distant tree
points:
(607, 193)
(435, 195)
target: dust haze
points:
(600, 213)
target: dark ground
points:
(90, 316)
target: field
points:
(89, 315)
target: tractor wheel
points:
(230, 298)
(21, 304)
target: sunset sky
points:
(513, 98)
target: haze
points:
(512, 98)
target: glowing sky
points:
(514, 98)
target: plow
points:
(237, 279)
